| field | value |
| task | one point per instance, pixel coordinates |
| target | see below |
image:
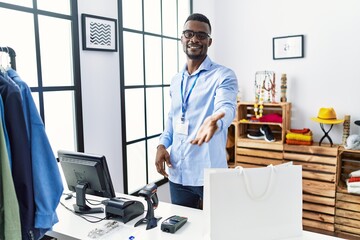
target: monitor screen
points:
(86, 174)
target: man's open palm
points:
(207, 129)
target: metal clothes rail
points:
(12, 55)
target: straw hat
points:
(327, 116)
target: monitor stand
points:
(80, 207)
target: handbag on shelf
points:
(253, 203)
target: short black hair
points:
(199, 17)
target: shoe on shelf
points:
(256, 135)
(269, 137)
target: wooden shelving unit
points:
(347, 212)
(254, 153)
(245, 112)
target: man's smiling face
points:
(196, 47)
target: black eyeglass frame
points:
(199, 35)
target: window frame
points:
(76, 87)
(124, 87)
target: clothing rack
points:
(12, 55)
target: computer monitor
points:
(86, 174)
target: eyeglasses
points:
(199, 35)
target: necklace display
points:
(264, 89)
(259, 100)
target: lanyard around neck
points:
(183, 99)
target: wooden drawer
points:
(249, 157)
(318, 224)
(246, 161)
(314, 149)
(319, 188)
(245, 142)
(319, 165)
(347, 213)
(347, 210)
(259, 153)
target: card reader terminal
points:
(173, 223)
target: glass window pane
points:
(154, 114)
(136, 166)
(135, 114)
(60, 120)
(182, 57)
(133, 59)
(154, 176)
(25, 3)
(169, 18)
(160, 58)
(25, 50)
(167, 102)
(35, 97)
(132, 14)
(170, 59)
(152, 16)
(153, 60)
(183, 13)
(56, 51)
(58, 6)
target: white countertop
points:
(71, 226)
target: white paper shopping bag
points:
(253, 203)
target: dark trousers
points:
(188, 196)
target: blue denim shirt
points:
(215, 91)
(47, 181)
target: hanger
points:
(8, 60)
(2, 69)
(4, 60)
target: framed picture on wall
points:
(99, 33)
(288, 47)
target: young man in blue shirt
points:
(203, 105)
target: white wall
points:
(326, 77)
(100, 79)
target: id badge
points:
(182, 127)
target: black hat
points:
(357, 122)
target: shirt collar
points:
(205, 66)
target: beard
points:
(195, 55)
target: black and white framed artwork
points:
(288, 47)
(98, 33)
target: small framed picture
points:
(288, 47)
(99, 33)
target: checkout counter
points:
(72, 226)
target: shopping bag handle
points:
(248, 187)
